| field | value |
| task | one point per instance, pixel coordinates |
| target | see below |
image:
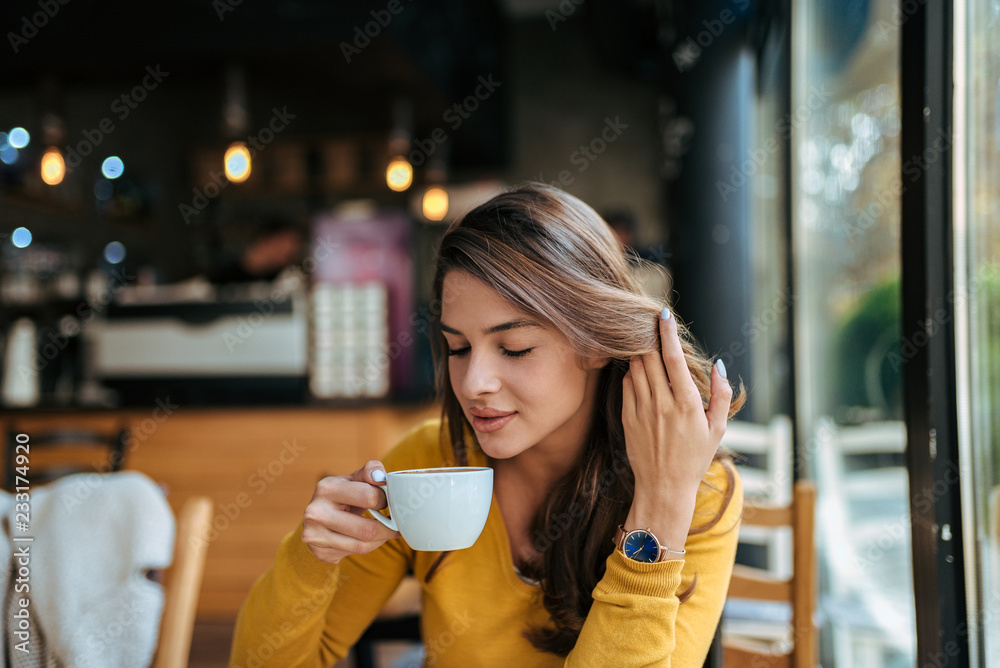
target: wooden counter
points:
(258, 465)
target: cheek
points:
(565, 355)
(454, 371)
(553, 383)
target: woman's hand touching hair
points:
(334, 526)
(670, 437)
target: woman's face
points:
(499, 363)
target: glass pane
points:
(845, 125)
(977, 247)
(767, 332)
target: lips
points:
(487, 425)
(489, 412)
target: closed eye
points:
(508, 353)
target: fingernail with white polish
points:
(721, 367)
(665, 314)
(378, 475)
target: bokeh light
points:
(114, 252)
(112, 167)
(435, 204)
(53, 167)
(18, 138)
(21, 237)
(104, 189)
(238, 162)
(8, 154)
(399, 174)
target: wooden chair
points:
(183, 583)
(85, 449)
(799, 591)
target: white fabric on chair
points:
(96, 539)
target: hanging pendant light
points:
(399, 172)
(237, 162)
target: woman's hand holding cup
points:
(334, 525)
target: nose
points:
(479, 376)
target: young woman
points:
(600, 421)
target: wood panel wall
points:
(258, 466)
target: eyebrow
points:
(513, 324)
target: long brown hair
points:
(553, 258)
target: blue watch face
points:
(641, 546)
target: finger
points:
(323, 540)
(640, 384)
(337, 522)
(681, 383)
(348, 493)
(375, 532)
(342, 543)
(373, 473)
(722, 397)
(628, 399)
(656, 377)
(364, 474)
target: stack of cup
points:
(350, 333)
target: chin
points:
(499, 447)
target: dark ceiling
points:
(94, 40)
(431, 52)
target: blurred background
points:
(232, 209)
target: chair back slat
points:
(771, 517)
(754, 583)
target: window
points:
(846, 186)
(977, 290)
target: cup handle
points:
(387, 521)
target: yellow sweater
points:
(303, 612)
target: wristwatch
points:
(643, 545)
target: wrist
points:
(665, 501)
(668, 517)
(643, 545)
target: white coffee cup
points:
(438, 509)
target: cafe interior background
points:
(218, 219)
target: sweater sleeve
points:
(637, 618)
(306, 613)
